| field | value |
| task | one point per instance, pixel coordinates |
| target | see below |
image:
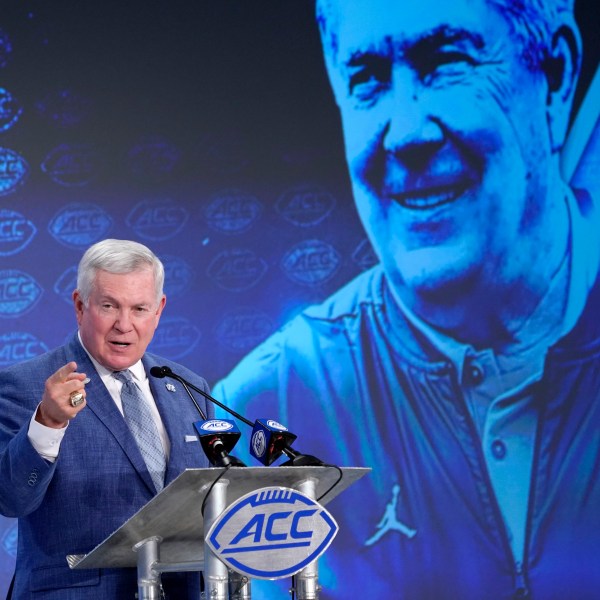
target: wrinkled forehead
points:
(352, 27)
(528, 23)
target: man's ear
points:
(78, 305)
(561, 68)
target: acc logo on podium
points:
(271, 533)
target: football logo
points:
(271, 533)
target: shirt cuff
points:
(45, 440)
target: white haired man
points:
(73, 466)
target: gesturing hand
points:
(56, 409)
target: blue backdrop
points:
(209, 132)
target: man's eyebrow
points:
(426, 42)
(442, 35)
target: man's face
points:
(120, 319)
(446, 139)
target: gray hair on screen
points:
(532, 22)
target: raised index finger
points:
(62, 373)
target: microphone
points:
(269, 440)
(217, 437)
(277, 438)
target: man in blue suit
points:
(71, 469)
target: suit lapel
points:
(174, 407)
(100, 402)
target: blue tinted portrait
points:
(460, 368)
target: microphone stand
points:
(218, 454)
(295, 458)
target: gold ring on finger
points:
(76, 398)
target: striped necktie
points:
(139, 419)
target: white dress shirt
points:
(47, 440)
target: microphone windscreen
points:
(157, 372)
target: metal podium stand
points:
(167, 534)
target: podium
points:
(170, 533)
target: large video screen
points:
(379, 225)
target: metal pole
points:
(179, 567)
(216, 578)
(148, 580)
(307, 581)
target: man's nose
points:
(412, 133)
(123, 321)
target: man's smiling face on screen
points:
(446, 135)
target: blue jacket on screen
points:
(425, 524)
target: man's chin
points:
(442, 282)
(119, 360)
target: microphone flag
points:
(218, 437)
(269, 440)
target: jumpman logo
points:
(389, 521)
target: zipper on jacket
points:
(521, 589)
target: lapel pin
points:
(170, 387)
